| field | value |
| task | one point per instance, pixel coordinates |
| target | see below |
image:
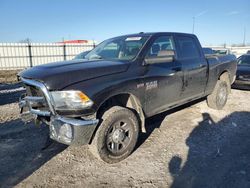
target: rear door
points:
(194, 66)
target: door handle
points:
(175, 69)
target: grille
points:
(36, 92)
(33, 91)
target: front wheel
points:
(117, 135)
(218, 98)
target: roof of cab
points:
(155, 33)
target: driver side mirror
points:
(163, 56)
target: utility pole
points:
(193, 24)
(244, 37)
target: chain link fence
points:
(22, 55)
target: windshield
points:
(81, 55)
(244, 60)
(120, 48)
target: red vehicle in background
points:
(74, 41)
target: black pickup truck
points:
(103, 100)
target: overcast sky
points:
(216, 22)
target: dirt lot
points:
(192, 146)
(8, 76)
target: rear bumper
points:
(70, 131)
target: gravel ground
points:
(192, 146)
(8, 76)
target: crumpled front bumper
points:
(70, 131)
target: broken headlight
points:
(71, 100)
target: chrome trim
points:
(40, 113)
(43, 89)
(34, 99)
(24, 103)
(77, 122)
(82, 130)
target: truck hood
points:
(58, 75)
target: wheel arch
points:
(225, 76)
(127, 100)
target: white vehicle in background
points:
(235, 50)
(224, 51)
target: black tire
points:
(116, 137)
(218, 98)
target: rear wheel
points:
(117, 135)
(218, 98)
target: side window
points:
(161, 43)
(188, 47)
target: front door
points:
(163, 81)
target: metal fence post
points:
(64, 51)
(30, 55)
